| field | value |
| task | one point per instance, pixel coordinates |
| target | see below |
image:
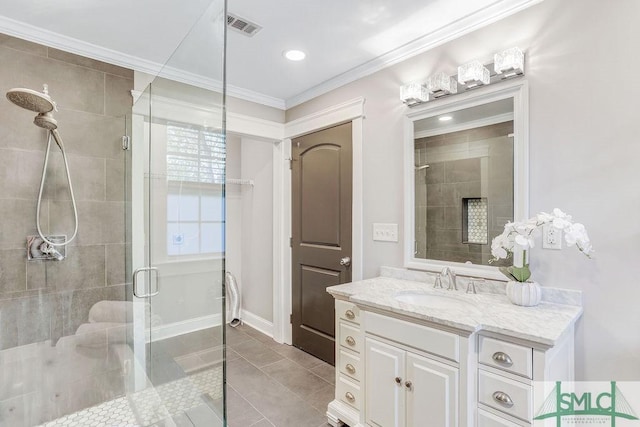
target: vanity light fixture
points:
(440, 84)
(509, 63)
(473, 74)
(414, 93)
(294, 55)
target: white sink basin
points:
(432, 300)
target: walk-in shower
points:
(78, 344)
(41, 246)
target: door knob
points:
(346, 261)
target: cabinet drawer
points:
(423, 338)
(505, 395)
(487, 419)
(348, 392)
(348, 311)
(506, 356)
(350, 337)
(349, 364)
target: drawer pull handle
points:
(502, 358)
(350, 340)
(398, 380)
(408, 385)
(350, 368)
(350, 397)
(503, 398)
(350, 314)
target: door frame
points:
(349, 111)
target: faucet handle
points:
(438, 282)
(471, 287)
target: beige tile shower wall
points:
(48, 300)
(471, 163)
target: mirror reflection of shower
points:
(41, 246)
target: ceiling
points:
(344, 40)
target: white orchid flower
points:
(561, 220)
(576, 234)
(525, 242)
(499, 252)
(521, 235)
(544, 217)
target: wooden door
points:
(321, 234)
(384, 384)
(432, 397)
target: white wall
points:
(233, 220)
(257, 228)
(581, 65)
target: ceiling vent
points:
(242, 25)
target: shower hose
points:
(44, 174)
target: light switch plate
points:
(385, 232)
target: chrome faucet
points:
(453, 285)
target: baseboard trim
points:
(257, 322)
(169, 330)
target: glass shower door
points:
(177, 166)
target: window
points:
(195, 200)
(195, 154)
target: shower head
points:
(40, 102)
(46, 121)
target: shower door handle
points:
(153, 278)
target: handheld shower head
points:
(40, 102)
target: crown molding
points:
(498, 10)
(495, 12)
(58, 41)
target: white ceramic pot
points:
(527, 294)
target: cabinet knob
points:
(502, 358)
(350, 340)
(350, 368)
(503, 398)
(408, 385)
(350, 314)
(398, 380)
(350, 397)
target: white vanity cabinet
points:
(398, 366)
(392, 372)
(406, 389)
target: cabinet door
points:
(385, 397)
(432, 396)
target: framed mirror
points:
(466, 175)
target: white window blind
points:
(195, 154)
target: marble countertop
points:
(543, 324)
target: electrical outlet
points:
(385, 232)
(551, 237)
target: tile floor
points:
(271, 384)
(268, 385)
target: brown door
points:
(321, 241)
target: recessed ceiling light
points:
(294, 55)
(445, 118)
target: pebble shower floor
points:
(150, 405)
